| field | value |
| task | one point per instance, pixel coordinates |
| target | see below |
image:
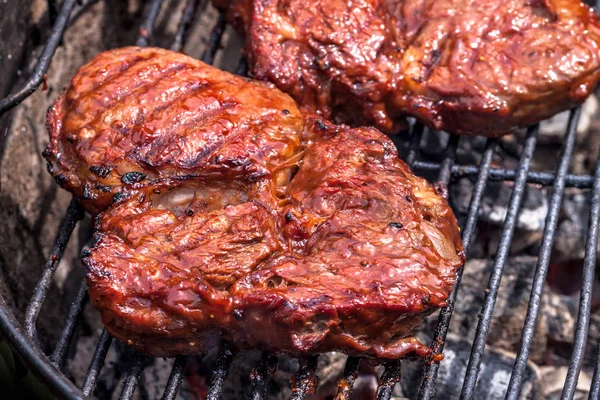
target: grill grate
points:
(544, 257)
(503, 248)
(24, 339)
(266, 366)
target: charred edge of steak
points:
(130, 178)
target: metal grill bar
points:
(175, 378)
(393, 370)
(391, 376)
(133, 376)
(346, 382)
(448, 161)
(430, 369)
(32, 355)
(500, 174)
(220, 373)
(89, 383)
(74, 213)
(585, 300)
(266, 366)
(186, 19)
(516, 379)
(60, 350)
(147, 27)
(498, 267)
(595, 389)
(215, 40)
(415, 139)
(80, 8)
(44, 61)
(304, 381)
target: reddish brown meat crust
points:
(135, 115)
(473, 67)
(350, 254)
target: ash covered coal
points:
(552, 341)
(558, 312)
(572, 228)
(494, 375)
(494, 206)
(552, 130)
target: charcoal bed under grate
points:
(23, 338)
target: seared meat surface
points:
(472, 67)
(317, 239)
(136, 115)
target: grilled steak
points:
(473, 67)
(296, 235)
(133, 116)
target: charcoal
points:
(553, 379)
(493, 380)
(555, 321)
(511, 305)
(494, 206)
(572, 228)
(553, 337)
(552, 130)
(495, 202)
(533, 211)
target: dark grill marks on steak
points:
(472, 67)
(156, 115)
(238, 217)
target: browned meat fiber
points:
(247, 221)
(471, 67)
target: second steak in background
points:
(469, 67)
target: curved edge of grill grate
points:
(32, 356)
(305, 378)
(595, 389)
